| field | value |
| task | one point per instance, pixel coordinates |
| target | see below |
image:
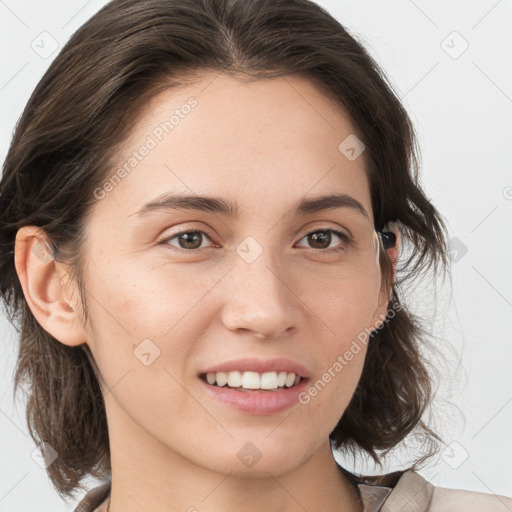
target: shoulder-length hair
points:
(64, 147)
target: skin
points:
(265, 144)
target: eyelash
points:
(345, 238)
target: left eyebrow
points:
(170, 202)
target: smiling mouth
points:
(251, 382)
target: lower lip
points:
(261, 403)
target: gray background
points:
(461, 102)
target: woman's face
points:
(261, 284)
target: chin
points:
(249, 461)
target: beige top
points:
(410, 493)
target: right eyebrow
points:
(170, 202)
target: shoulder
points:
(416, 494)
(409, 491)
(448, 500)
(95, 499)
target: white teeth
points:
(290, 380)
(269, 380)
(221, 378)
(234, 379)
(253, 380)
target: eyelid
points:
(323, 227)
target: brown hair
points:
(64, 146)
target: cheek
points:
(148, 300)
(345, 306)
(344, 311)
(141, 323)
(144, 369)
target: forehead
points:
(266, 141)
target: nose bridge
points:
(260, 295)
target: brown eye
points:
(321, 239)
(188, 240)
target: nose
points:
(262, 299)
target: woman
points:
(203, 209)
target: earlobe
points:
(46, 292)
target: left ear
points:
(389, 241)
(393, 250)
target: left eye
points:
(188, 240)
(324, 237)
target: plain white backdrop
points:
(450, 62)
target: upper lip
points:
(260, 366)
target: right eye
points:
(188, 240)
